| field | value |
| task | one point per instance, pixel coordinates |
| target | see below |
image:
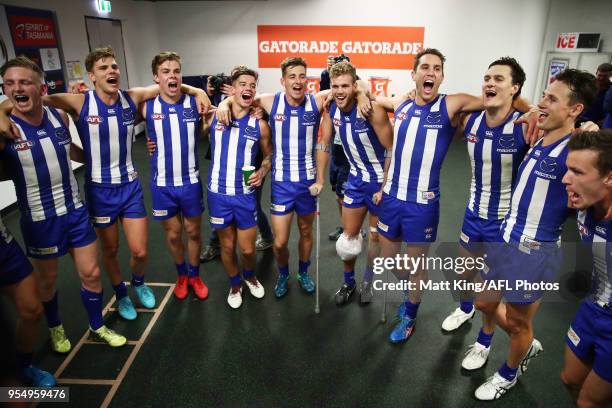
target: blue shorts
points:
(14, 266)
(238, 210)
(51, 238)
(590, 337)
(413, 222)
(524, 276)
(359, 194)
(169, 201)
(476, 230)
(107, 202)
(338, 170)
(288, 196)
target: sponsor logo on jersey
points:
(382, 227)
(158, 116)
(488, 133)
(44, 251)
(547, 166)
(217, 220)
(111, 111)
(160, 213)
(128, 116)
(277, 207)
(188, 113)
(250, 131)
(309, 117)
(348, 200)
(360, 124)
(428, 195)
(600, 230)
(507, 141)
(100, 220)
(172, 109)
(62, 135)
(464, 237)
(434, 118)
(573, 337)
(41, 133)
(94, 120)
(25, 145)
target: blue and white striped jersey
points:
(495, 155)
(361, 145)
(294, 136)
(175, 130)
(232, 148)
(422, 135)
(39, 165)
(599, 235)
(107, 134)
(538, 206)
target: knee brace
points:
(349, 248)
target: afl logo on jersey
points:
(507, 141)
(279, 117)
(336, 122)
(401, 116)
(158, 116)
(25, 145)
(309, 117)
(472, 138)
(583, 231)
(219, 126)
(188, 113)
(434, 118)
(94, 120)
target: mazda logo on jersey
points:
(434, 117)
(158, 116)
(94, 120)
(309, 117)
(507, 141)
(26, 145)
(279, 117)
(360, 124)
(548, 165)
(250, 131)
(188, 113)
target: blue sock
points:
(283, 270)
(484, 338)
(193, 271)
(349, 278)
(412, 309)
(120, 290)
(52, 311)
(235, 280)
(368, 273)
(507, 372)
(93, 304)
(248, 274)
(303, 268)
(137, 280)
(24, 359)
(466, 306)
(181, 269)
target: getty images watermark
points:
(404, 265)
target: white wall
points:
(214, 36)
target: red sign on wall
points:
(368, 47)
(30, 31)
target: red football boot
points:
(199, 288)
(181, 290)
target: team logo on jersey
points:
(472, 138)
(94, 120)
(548, 164)
(62, 135)
(507, 141)
(250, 131)
(25, 145)
(279, 117)
(127, 115)
(360, 124)
(600, 230)
(188, 113)
(158, 116)
(309, 117)
(401, 116)
(337, 122)
(434, 118)
(41, 133)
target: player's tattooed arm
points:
(382, 126)
(265, 144)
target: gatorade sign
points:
(368, 47)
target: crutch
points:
(383, 318)
(318, 215)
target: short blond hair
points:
(23, 62)
(343, 68)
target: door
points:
(106, 32)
